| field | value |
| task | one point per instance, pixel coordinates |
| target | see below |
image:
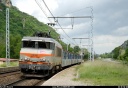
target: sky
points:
(109, 25)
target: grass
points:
(12, 64)
(103, 73)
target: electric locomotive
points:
(40, 54)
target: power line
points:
(42, 9)
(77, 10)
(73, 17)
(63, 28)
(54, 19)
(48, 8)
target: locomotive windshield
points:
(29, 44)
(38, 44)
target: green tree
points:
(116, 52)
(70, 49)
(85, 53)
(76, 49)
(125, 57)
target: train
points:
(41, 55)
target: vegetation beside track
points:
(12, 64)
(103, 73)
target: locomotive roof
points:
(27, 38)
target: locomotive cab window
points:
(46, 45)
(28, 44)
(38, 44)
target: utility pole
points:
(91, 50)
(7, 38)
(24, 19)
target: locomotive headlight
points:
(25, 58)
(43, 59)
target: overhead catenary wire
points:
(47, 8)
(57, 21)
(42, 9)
(72, 21)
(46, 14)
(76, 10)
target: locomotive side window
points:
(58, 52)
(28, 44)
(52, 46)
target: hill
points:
(119, 53)
(21, 24)
(124, 45)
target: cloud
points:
(109, 24)
(122, 31)
(32, 8)
(106, 43)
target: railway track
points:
(27, 82)
(9, 70)
(30, 81)
(11, 77)
(9, 74)
(17, 79)
(14, 77)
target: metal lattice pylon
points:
(7, 38)
(91, 38)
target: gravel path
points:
(64, 78)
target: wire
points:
(64, 31)
(42, 10)
(57, 21)
(78, 10)
(48, 8)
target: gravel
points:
(7, 79)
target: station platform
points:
(64, 78)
